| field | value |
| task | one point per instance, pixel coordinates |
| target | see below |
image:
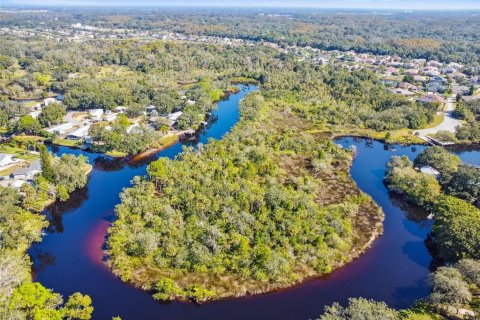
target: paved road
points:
(449, 123)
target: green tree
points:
(456, 229)
(27, 124)
(52, 114)
(470, 269)
(158, 172)
(448, 288)
(360, 309)
(401, 177)
(42, 79)
(439, 158)
(166, 289)
(36, 300)
(464, 183)
(46, 161)
(78, 306)
(62, 193)
(3, 118)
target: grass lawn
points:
(68, 142)
(5, 148)
(24, 138)
(10, 170)
(166, 141)
(108, 71)
(29, 104)
(402, 136)
(436, 121)
(18, 152)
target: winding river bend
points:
(69, 258)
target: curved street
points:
(449, 123)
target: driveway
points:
(449, 123)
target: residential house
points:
(439, 79)
(121, 109)
(407, 86)
(459, 76)
(434, 63)
(173, 117)
(455, 65)
(110, 117)
(471, 98)
(430, 170)
(435, 87)
(48, 101)
(463, 90)
(431, 73)
(389, 83)
(411, 72)
(402, 92)
(6, 159)
(79, 134)
(35, 114)
(449, 70)
(420, 78)
(29, 172)
(430, 97)
(17, 184)
(96, 114)
(60, 129)
(150, 109)
(389, 71)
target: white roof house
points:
(48, 101)
(150, 108)
(174, 116)
(6, 159)
(60, 129)
(430, 170)
(121, 109)
(96, 114)
(78, 134)
(35, 114)
(110, 117)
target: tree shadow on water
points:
(55, 212)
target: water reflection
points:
(54, 212)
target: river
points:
(70, 257)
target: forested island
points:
(270, 204)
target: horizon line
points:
(220, 6)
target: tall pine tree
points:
(47, 169)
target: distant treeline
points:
(442, 36)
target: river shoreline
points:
(380, 272)
(359, 248)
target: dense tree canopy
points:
(236, 210)
(456, 229)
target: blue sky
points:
(385, 4)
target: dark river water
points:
(70, 257)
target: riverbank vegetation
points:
(448, 195)
(273, 202)
(20, 226)
(264, 208)
(453, 289)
